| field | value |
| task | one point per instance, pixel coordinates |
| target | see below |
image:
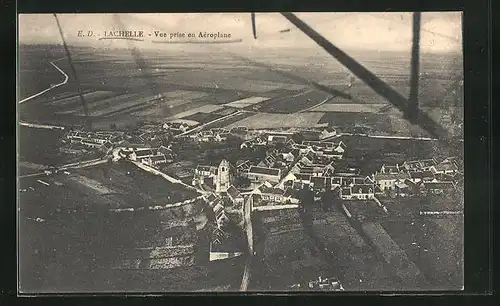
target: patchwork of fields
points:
(117, 86)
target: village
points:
(277, 168)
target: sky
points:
(441, 31)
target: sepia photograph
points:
(240, 152)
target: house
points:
(259, 175)
(291, 196)
(239, 130)
(325, 149)
(446, 177)
(179, 127)
(320, 183)
(390, 169)
(444, 167)
(402, 189)
(91, 143)
(387, 181)
(211, 199)
(235, 195)
(205, 175)
(328, 170)
(423, 164)
(338, 147)
(455, 160)
(221, 131)
(302, 180)
(288, 157)
(330, 154)
(218, 235)
(243, 166)
(352, 180)
(318, 145)
(270, 160)
(259, 141)
(139, 154)
(155, 160)
(308, 159)
(220, 216)
(440, 187)
(277, 139)
(269, 193)
(94, 140)
(358, 192)
(418, 176)
(414, 188)
(328, 132)
(215, 135)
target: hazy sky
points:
(441, 31)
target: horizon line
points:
(272, 50)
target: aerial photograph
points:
(240, 152)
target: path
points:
(52, 86)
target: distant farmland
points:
(119, 87)
(270, 121)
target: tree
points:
(242, 181)
(298, 138)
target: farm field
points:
(435, 246)
(348, 108)
(62, 250)
(294, 103)
(270, 121)
(201, 80)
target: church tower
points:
(223, 177)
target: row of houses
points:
(176, 127)
(427, 171)
(154, 157)
(309, 158)
(330, 150)
(268, 193)
(212, 135)
(448, 166)
(218, 205)
(94, 140)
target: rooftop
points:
(391, 176)
(233, 192)
(264, 171)
(362, 188)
